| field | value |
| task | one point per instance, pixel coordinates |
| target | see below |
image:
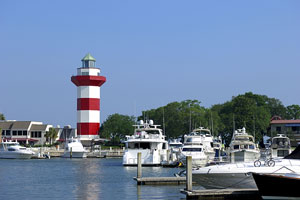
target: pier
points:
(202, 194)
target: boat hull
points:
(75, 154)
(15, 155)
(278, 187)
(244, 156)
(225, 180)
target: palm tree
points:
(51, 134)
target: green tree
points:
(117, 126)
(293, 111)
(2, 117)
(178, 118)
(51, 135)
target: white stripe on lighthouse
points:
(88, 92)
(86, 116)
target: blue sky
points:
(152, 53)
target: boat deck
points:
(222, 194)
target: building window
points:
(14, 132)
(3, 132)
(39, 134)
(25, 133)
(85, 73)
(7, 132)
(19, 132)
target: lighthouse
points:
(88, 82)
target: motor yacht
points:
(207, 141)
(217, 146)
(280, 146)
(74, 149)
(238, 175)
(242, 147)
(175, 147)
(194, 147)
(12, 150)
(150, 141)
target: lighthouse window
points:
(85, 73)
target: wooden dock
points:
(160, 180)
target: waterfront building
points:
(88, 82)
(291, 128)
(25, 132)
(33, 133)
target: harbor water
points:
(88, 179)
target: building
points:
(33, 133)
(88, 82)
(291, 128)
(25, 132)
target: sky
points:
(151, 52)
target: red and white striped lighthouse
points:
(88, 82)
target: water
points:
(88, 179)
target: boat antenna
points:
(254, 127)
(190, 128)
(212, 123)
(233, 123)
(164, 127)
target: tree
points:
(178, 118)
(293, 111)
(117, 126)
(2, 117)
(51, 135)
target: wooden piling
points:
(139, 167)
(71, 152)
(189, 181)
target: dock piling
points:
(189, 181)
(71, 152)
(139, 162)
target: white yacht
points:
(280, 146)
(74, 149)
(242, 147)
(192, 146)
(238, 175)
(150, 141)
(12, 150)
(207, 141)
(175, 147)
(218, 148)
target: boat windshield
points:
(175, 145)
(192, 149)
(244, 146)
(141, 145)
(280, 142)
(243, 138)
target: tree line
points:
(252, 111)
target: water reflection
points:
(88, 183)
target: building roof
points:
(38, 127)
(6, 125)
(21, 125)
(88, 57)
(295, 121)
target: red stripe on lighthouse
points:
(88, 128)
(88, 80)
(88, 104)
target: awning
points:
(289, 125)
